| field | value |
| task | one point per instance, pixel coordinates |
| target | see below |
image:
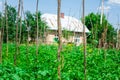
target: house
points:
(68, 23)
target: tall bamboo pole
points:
(102, 11)
(17, 41)
(27, 46)
(118, 35)
(60, 38)
(6, 20)
(1, 36)
(84, 39)
(20, 24)
(37, 45)
(0, 48)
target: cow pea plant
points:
(101, 64)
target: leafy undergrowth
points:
(101, 64)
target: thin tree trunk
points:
(6, 18)
(84, 39)
(17, 42)
(37, 45)
(60, 39)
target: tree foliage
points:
(66, 34)
(92, 21)
(31, 24)
(11, 19)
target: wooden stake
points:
(20, 25)
(60, 38)
(1, 37)
(17, 42)
(6, 20)
(102, 11)
(84, 39)
(0, 48)
(118, 35)
(37, 45)
(27, 46)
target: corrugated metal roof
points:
(67, 23)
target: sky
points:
(72, 7)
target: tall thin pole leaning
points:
(60, 38)
(118, 30)
(17, 41)
(84, 38)
(1, 35)
(102, 11)
(20, 23)
(27, 46)
(37, 45)
(0, 48)
(6, 20)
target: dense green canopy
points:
(92, 21)
(30, 22)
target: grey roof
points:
(67, 23)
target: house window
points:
(77, 39)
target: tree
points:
(7, 33)
(31, 22)
(97, 31)
(66, 34)
(11, 19)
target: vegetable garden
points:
(101, 64)
(25, 56)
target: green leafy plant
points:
(101, 64)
